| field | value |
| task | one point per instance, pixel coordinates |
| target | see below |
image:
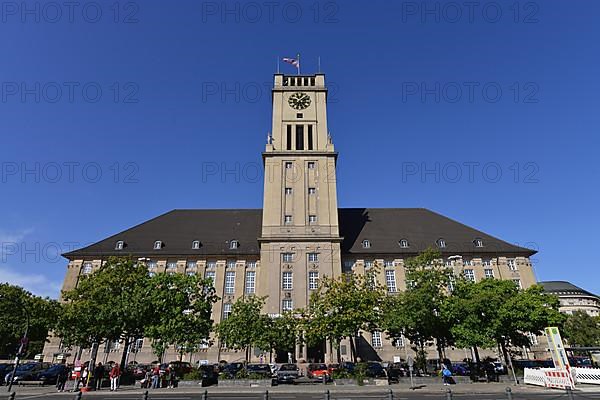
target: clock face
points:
(299, 101)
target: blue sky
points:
(109, 116)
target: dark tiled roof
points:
(564, 287)
(383, 227)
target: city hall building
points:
(299, 236)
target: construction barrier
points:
(549, 377)
(535, 376)
(587, 375)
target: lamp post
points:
(24, 339)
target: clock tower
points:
(300, 241)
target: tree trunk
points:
(422, 356)
(124, 354)
(338, 352)
(477, 361)
(439, 346)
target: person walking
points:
(62, 378)
(173, 382)
(446, 375)
(98, 376)
(156, 377)
(114, 375)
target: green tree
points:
(281, 333)
(342, 307)
(495, 312)
(582, 330)
(181, 306)
(245, 327)
(17, 307)
(417, 312)
(109, 304)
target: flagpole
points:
(298, 63)
(278, 64)
(319, 63)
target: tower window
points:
(299, 115)
(195, 244)
(312, 81)
(288, 165)
(311, 165)
(287, 219)
(312, 190)
(289, 137)
(312, 219)
(288, 191)
(310, 137)
(299, 137)
(366, 244)
(441, 243)
(403, 243)
(158, 245)
(234, 244)
(119, 245)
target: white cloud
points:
(35, 283)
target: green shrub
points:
(360, 373)
(341, 374)
(193, 375)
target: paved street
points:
(299, 392)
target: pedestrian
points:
(167, 377)
(446, 375)
(62, 378)
(114, 375)
(98, 376)
(156, 377)
(173, 382)
(84, 377)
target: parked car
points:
(317, 371)
(375, 370)
(5, 368)
(29, 372)
(49, 376)
(460, 369)
(395, 371)
(288, 373)
(209, 375)
(180, 367)
(263, 371)
(231, 369)
(500, 368)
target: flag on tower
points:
(294, 61)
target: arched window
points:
(403, 243)
(158, 245)
(119, 245)
(478, 242)
(234, 244)
(441, 243)
(195, 244)
(366, 244)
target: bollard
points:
(205, 395)
(266, 395)
(327, 396)
(12, 396)
(390, 395)
(448, 394)
(78, 395)
(508, 393)
(570, 393)
(145, 395)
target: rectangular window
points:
(512, 265)
(486, 262)
(299, 137)
(469, 274)
(348, 263)
(287, 219)
(467, 262)
(376, 339)
(288, 165)
(287, 305)
(388, 263)
(287, 257)
(310, 137)
(313, 280)
(312, 190)
(250, 286)
(287, 281)
(313, 257)
(211, 264)
(210, 275)
(311, 165)
(229, 282)
(251, 264)
(299, 115)
(390, 280)
(368, 264)
(398, 342)
(518, 283)
(231, 264)
(312, 219)
(288, 191)
(289, 137)
(226, 310)
(489, 273)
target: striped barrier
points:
(535, 376)
(549, 377)
(590, 376)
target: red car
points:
(317, 371)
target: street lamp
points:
(24, 339)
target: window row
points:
(291, 257)
(196, 244)
(297, 138)
(404, 244)
(311, 191)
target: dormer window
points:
(195, 245)
(441, 243)
(366, 244)
(234, 244)
(87, 268)
(158, 245)
(119, 245)
(403, 243)
(478, 242)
